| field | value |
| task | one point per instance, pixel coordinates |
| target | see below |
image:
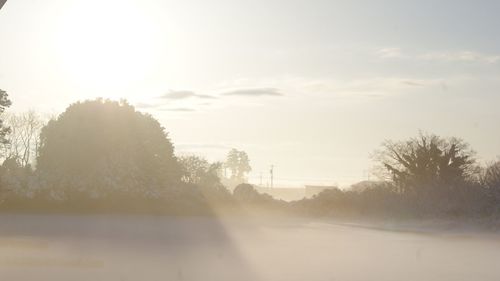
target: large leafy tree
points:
(428, 161)
(101, 147)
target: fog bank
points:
(57, 247)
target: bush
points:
(246, 193)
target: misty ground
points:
(109, 247)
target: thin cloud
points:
(460, 56)
(440, 56)
(388, 53)
(412, 83)
(253, 92)
(182, 94)
(366, 88)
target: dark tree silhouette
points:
(100, 147)
(427, 161)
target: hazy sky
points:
(312, 87)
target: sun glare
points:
(106, 46)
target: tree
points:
(238, 163)
(17, 180)
(244, 165)
(4, 130)
(100, 147)
(427, 161)
(490, 179)
(206, 176)
(199, 171)
(232, 162)
(4, 103)
(24, 138)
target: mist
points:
(60, 247)
(256, 140)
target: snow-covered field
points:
(60, 247)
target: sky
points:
(311, 87)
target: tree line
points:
(102, 155)
(426, 176)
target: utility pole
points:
(271, 172)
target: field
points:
(108, 247)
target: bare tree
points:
(490, 177)
(24, 137)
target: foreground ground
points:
(58, 247)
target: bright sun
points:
(106, 46)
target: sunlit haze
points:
(311, 87)
(249, 140)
